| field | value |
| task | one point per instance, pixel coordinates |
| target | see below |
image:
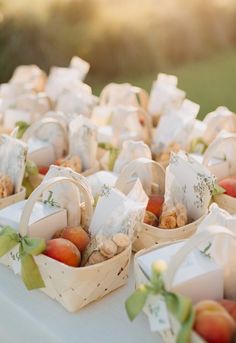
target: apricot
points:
(229, 184)
(150, 219)
(64, 251)
(213, 323)
(155, 204)
(229, 306)
(78, 236)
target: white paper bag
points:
(164, 94)
(131, 150)
(122, 211)
(220, 119)
(175, 126)
(13, 157)
(189, 183)
(31, 75)
(83, 141)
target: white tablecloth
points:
(32, 317)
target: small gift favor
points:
(220, 119)
(171, 278)
(13, 157)
(220, 159)
(175, 127)
(223, 250)
(178, 205)
(193, 188)
(46, 140)
(28, 108)
(83, 141)
(114, 231)
(131, 150)
(123, 94)
(30, 75)
(164, 95)
(82, 67)
(60, 78)
(53, 262)
(114, 161)
(76, 102)
(126, 122)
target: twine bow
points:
(28, 247)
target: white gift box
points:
(44, 221)
(199, 277)
(41, 152)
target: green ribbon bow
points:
(28, 247)
(180, 306)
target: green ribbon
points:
(180, 306)
(28, 247)
(22, 127)
(113, 153)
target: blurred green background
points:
(128, 40)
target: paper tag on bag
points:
(156, 310)
(15, 262)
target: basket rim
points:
(154, 228)
(110, 260)
(22, 190)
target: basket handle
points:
(133, 166)
(35, 196)
(38, 124)
(178, 258)
(147, 124)
(142, 97)
(212, 148)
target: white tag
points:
(15, 263)
(155, 309)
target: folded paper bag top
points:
(44, 220)
(199, 277)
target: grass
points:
(210, 82)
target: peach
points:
(78, 236)
(229, 184)
(155, 204)
(64, 251)
(150, 219)
(213, 323)
(229, 306)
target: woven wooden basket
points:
(227, 145)
(147, 235)
(12, 199)
(175, 262)
(74, 287)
